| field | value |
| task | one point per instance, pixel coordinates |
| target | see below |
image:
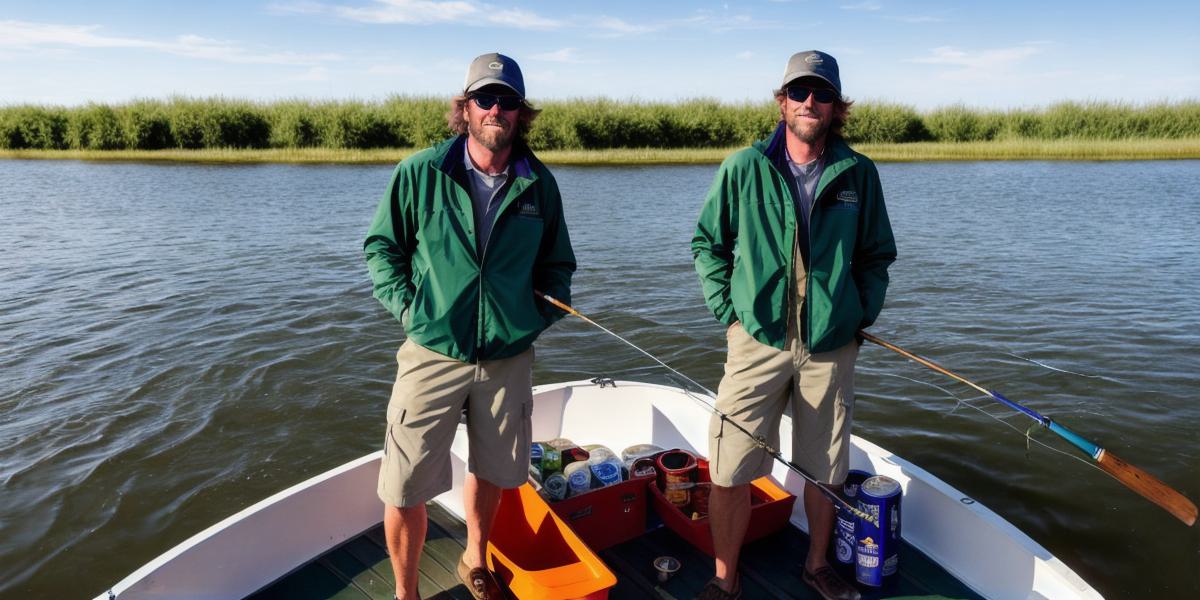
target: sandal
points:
(479, 582)
(829, 584)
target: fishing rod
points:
(758, 440)
(1134, 478)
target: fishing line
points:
(758, 440)
(1132, 477)
(957, 401)
(1044, 365)
(1026, 434)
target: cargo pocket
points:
(391, 432)
(527, 427)
(716, 433)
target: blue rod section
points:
(1088, 447)
(1013, 405)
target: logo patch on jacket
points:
(848, 196)
(528, 209)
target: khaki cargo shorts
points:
(759, 383)
(423, 415)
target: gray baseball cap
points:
(494, 68)
(812, 63)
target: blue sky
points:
(924, 54)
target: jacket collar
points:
(450, 154)
(838, 155)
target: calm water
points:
(178, 342)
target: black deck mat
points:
(770, 568)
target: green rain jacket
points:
(451, 297)
(746, 233)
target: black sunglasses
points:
(800, 93)
(487, 101)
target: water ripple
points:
(205, 336)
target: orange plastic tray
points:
(538, 556)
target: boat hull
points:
(967, 539)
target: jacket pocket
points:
(436, 231)
(524, 235)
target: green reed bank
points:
(564, 125)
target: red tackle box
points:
(607, 516)
(770, 509)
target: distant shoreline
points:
(587, 131)
(1068, 150)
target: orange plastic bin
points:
(534, 552)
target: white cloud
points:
(393, 70)
(522, 19)
(978, 64)
(195, 46)
(869, 5)
(460, 12)
(565, 55)
(53, 37)
(300, 7)
(615, 25)
(411, 12)
(721, 23)
(313, 74)
(914, 19)
(704, 20)
(21, 34)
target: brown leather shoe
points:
(479, 581)
(712, 591)
(831, 586)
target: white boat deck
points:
(972, 551)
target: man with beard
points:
(792, 248)
(465, 233)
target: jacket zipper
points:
(807, 325)
(791, 278)
(483, 254)
(479, 306)
(479, 297)
(808, 276)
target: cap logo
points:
(496, 65)
(813, 59)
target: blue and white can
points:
(606, 473)
(877, 547)
(843, 544)
(579, 478)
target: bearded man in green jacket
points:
(465, 233)
(792, 248)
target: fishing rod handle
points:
(1079, 441)
(1149, 487)
(1137, 480)
(552, 300)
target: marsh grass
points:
(698, 129)
(1068, 149)
(1036, 149)
(224, 155)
